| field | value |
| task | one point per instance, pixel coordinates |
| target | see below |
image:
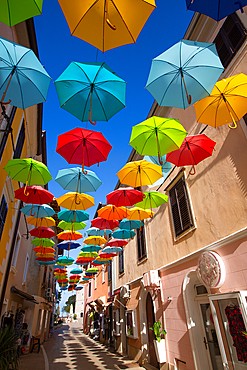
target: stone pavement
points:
(70, 348)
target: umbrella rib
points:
(213, 102)
(195, 54)
(197, 81)
(83, 17)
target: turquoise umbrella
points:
(123, 234)
(91, 248)
(166, 166)
(72, 216)
(76, 271)
(23, 79)
(95, 231)
(130, 224)
(37, 210)
(184, 74)
(90, 91)
(74, 179)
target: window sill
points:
(121, 274)
(186, 232)
(144, 259)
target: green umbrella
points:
(28, 171)
(157, 136)
(69, 225)
(16, 11)
(153, 199)
(43, 242)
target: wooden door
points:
(151, 336)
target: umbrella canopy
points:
(69, 235)
(130, 224)
(107, 24)
(139, 173)
(84, 147)
(14, 12)
(65, 260)
(73, 216)
(74, 179)
(23, 79)
(124, 197)
(95, 240)
(42, 232)
(117, 243)
(91, 248)
(71, 225)
(137, 213)
(166, 166)
(98, 263)
(91, 91)
(157, 136)
(38, 210)
(194, 149)
(109, 249)
(74, 201)
(102, 223)
(226, 104)
(43, 242)
(76, 271)
(28, 170)
(68, 245)
(111, 212)
(88, 254)
(153, 199)
(43, 250)
(41, 221)
(34, 194)
(46, 263)
(46, 255)
(216, 9)
(45, 259)
(123, 234)
(95, 231)
(184, 74)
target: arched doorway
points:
(151, 336)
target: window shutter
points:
(141, 243)
(3, 214)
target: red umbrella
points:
(42, 232)
(102, 224)
(72, 277)
(193, 150)
(124, 197)
(60, 270)
(34, 194)
(84, 147)
(45, 259)
(106, 255)
(117, 243)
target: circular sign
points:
(211, 270)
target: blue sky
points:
(57, 48)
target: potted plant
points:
(8, 349)
(159, 343)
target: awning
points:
(100, 301)
(23, 295)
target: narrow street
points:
(70, 348)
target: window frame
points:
(7, 128)
(109, 270)
(103, 274)
(20, 141)
(121, 261)
(89, 289)
(141, 244)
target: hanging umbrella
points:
(68, 245)
(69, 235)
(74, 179)
(139, 173)
(45, 259)
(43, 250)
(226, 104)
(42, 232)
(23, 79)
(45, 255)
(95, 231)
(91, 91)
(117, 243)
(194, 149)
(216, 9)
(98, 262)
(65, 261)
(38, 210)
(41, 221)
(124, 197)
(130, 224)
(87, 255)
(75, 201)
(28, 171)
(84, 147)
(73, 216)
(91, 248)
(157, 136)
(184, 74)
(109, 249)
(34, 194)
(92, 270)
(47, 263)
(139, 213)
(43, 242)
(123, 234)
(71, 225)
(166, 166)
(102, 224)
(105, 259)
(111, 212)
(14, 12)
(95, 240)
(107, 24)
(76, 271)
(153, 199)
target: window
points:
(3, 214)
(109, 270)
(25, 270)
(141, 243)
(103, 274)
(180, 206)
(89, 289)
(121, 261)
(95, 282)
(229, 39)
(6, 130)
(20, 141)
(131, 323)
(16, 250)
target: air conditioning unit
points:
(151, 280)
(125, 291)
(48, 293)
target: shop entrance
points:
(151, 336)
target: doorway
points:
(151, 337)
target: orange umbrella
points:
(111, 212)
(69, 235)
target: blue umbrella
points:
(37, 210)
(216, 9)
(166, 166)
(91, 248)
(68, 245)
(94, 231)
(76, 271)
(46, 262)
(90, 91)
(184, 74)
(130, 224)
(96, 262)
(72, 216)
(78, 288)
(112, 249)
(74, 179)
(123, 234)
(23, 79)
(81, 263)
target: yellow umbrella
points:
(111, 212)
(137, 213)
(95, 240)
(139, 173)
(107, 24)
(227, 102)
(104, 259)
(74, 201)
(41, 221)
(45, 255)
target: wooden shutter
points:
(5, 133)
(181, 211)
(121, 261)
(141, 243)
(3, 214)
